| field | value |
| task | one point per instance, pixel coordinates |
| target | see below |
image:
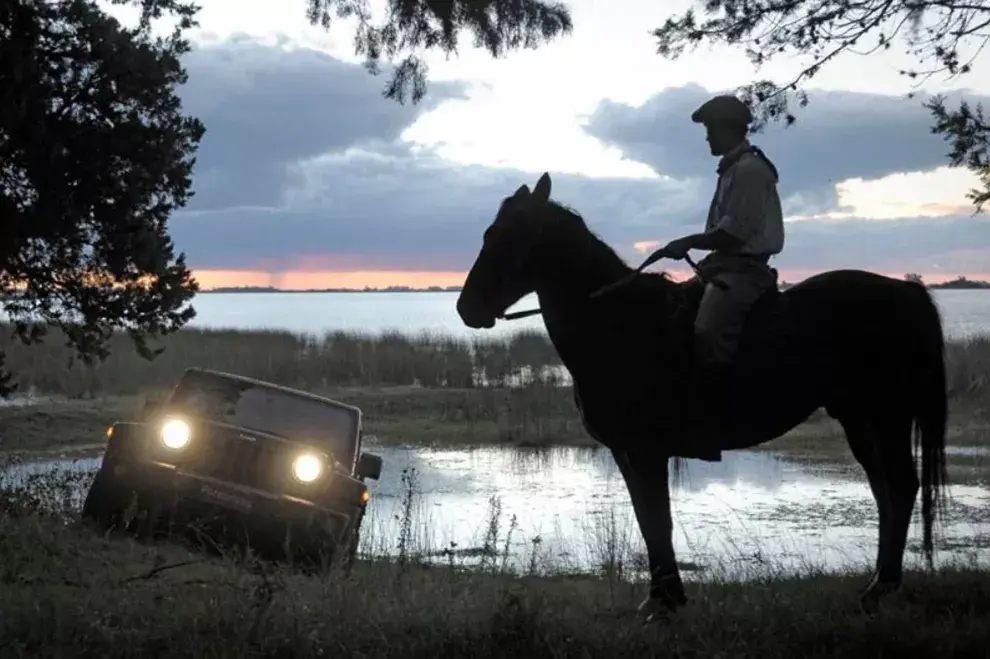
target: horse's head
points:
(503, 273)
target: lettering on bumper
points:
(226, 498)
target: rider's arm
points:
(717, 238)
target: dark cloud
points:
(268, 107)
(421, 212)
(370, 212)
(303, 168)
(923, 242)
(839, 135)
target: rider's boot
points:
(701, 431)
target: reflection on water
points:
(753, 510)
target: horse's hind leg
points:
(862, 441)
(901, 479)
(884, 451)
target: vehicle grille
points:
(226, 457)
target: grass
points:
(335, 360)
(522, 417)
(69, 592)
(526, 416)
(414, 390)
(342, 359)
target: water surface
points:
(752, 511)
(965, 313)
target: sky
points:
(308, 178)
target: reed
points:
(347, 359)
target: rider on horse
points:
(744, 229)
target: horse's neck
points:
(573, 275)
(564, 291)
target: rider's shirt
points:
(746, 203)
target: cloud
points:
(929, 244)
(840, 135)
(410, 213)
(304, 167)
(366, 211)
(268, 107)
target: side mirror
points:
(369, 466)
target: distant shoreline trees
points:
(960, 282)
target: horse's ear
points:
(523, 191)
(541, 192)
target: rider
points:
(744, 229)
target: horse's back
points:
(859, 302)
(840, 336)
(857, 306)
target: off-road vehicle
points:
(280, 466)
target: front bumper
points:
(198, 496)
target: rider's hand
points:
(675, 249)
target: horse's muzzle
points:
(474, 317)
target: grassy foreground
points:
(69, 592)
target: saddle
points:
(769, 317)
(770, 314)
(770, 325)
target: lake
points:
(733, 519)
(965, 313)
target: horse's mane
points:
(569, 222)
(673, 298)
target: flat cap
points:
(724, 109)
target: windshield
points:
(269, 410)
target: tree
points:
(914, 276)
(414, 26)
(95, 155)
(944, 38)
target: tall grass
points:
(336, 359)
(69, 592)
(342, 359)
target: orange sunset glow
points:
(301, 280)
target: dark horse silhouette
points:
(866, 348)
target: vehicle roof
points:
(269, 385)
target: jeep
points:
(285, 466)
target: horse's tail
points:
(930, 422)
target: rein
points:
(608, 288)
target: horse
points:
(866, 348)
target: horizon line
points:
(960, 281)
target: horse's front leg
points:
(647, 480)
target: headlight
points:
(307, 467)
(175, 434)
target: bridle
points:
(608, 288)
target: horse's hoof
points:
(659, 617)
(652, 609)
(870, 600)
(869, 604)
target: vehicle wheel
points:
(348, 553)
(106, 502)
